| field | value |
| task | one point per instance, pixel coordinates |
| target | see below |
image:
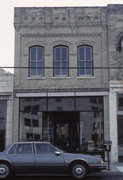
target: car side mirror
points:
(58, 153)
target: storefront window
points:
(3, 108)
(91, 131)
(33, 105)
(72, 123)
(120, 102)
(61, 104)
(89, 104)
(120, 126)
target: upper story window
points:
(36, 61)
(85, 60)
(61, 62)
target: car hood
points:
(85, 157)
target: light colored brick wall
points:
(53, 26)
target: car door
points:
(46, 158)
(23, 158)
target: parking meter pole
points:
(107, 148)
(108, 160)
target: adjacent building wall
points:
(6, 93)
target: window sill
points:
(85, 77)
(61, 77)
(35, 78)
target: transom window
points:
(36, 61)
(85, 60)
(61, 62)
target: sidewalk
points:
(115, 168)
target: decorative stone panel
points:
(58, 17)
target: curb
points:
(108, 172)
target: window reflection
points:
(91, 131)
(55, 119)
(44, 148)
(89, 104)
(24, 149)
(61, 104)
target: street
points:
(98, 176)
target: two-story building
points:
(62, 76)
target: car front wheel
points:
(78, 171)
(4, 171)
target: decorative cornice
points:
(72, 17)
(37, 35)
(115, 9)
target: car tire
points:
(5, 171)
(79, 171)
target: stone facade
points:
(99, 27)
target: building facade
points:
(63, 83)
(116, 79)
(6, 108)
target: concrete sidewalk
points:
(116, 168)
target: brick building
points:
(63, 88)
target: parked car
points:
(43, 157)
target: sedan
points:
(45, 158)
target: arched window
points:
(120, 44)
(36, 61)
(61, 62)
(85, 60)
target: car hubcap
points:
(2, 170)
(78, 170)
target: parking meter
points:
(107, 145)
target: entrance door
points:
(66, 130)
(61, 133)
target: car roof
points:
(26, 142)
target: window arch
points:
(120, 44)
(85, 60)
(36, 61)
(60, 60)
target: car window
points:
(24, 148)
(44, 148)
(12, 150)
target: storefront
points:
(72, 123)
(3, 111)
(120, 126)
